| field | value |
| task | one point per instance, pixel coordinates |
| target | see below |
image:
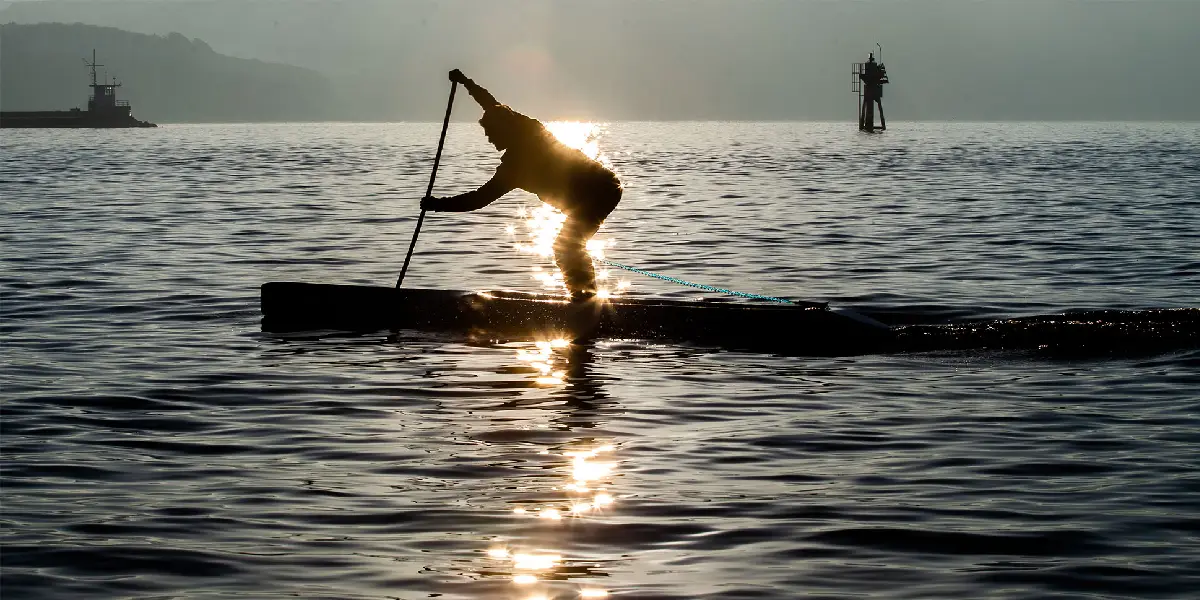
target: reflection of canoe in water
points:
(804, 328)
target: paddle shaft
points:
(437, 158)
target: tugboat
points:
(103, 110)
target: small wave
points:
(1091, 332)
(907, 540)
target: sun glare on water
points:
(581, 135)
(589, 470)
(543, 223)
(544, 573)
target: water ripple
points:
(158, 444)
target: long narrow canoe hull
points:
(795, 329)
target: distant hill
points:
(166, 78)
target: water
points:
(157, 444)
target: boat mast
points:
(93, 65)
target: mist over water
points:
(625, 59)
(156, 442)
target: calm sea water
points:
(157, 444)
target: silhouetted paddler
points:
(561, 176)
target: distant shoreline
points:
(612, 121)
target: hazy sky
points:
(707, 59)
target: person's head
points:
(871, 58)
(505, 127)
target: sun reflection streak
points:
(544, 361)
(585, 471)
(587, 463)
(536, 562)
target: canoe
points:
(800, 328)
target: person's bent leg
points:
(570, 248)
(572, 258)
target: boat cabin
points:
(103, 101)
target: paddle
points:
(432, 176)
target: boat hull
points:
(72, 119)
(810, 328)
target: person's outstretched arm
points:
(481, 95)
(485, 195)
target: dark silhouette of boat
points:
(801, 328)
(103, 110)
